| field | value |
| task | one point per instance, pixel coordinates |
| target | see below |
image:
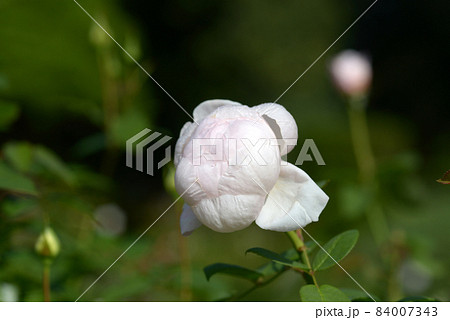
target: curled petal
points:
(295, 201)
(188, 221)
(208, 106)
(281, 122)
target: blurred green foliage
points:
(69, 99)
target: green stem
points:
(185, 265)
(361, 139)
(300, 246)
(259, 285)
(46, 280)
(365, 159)
(366, 165)
(296, 241)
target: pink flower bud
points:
(351, 72)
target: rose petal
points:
(186, 182)
(256, 160)
(229, 213)
(281, 122)
(208, 106)
(185, 134)
(188, 221)
(295, 201)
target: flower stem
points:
(296, 241)
(375, 215)
(259, 285)
(46, 280)
(299, 245)
(361, 138)
(185, 264)
(366, 165)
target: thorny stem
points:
(299, 245)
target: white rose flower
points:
(225, 187)
(351, 72)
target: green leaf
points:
(419, 299)
(326, 293)
(9, 113)
(358, 295)
(233, 270)
(14, 181)
(272, 268)
(54, 164)
(311, 246)
(90, 145)
(338, 247)
(19, 155)
(277, 258)
(445, 178)
(16, 206)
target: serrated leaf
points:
(14, 181)
(445, 178)
(338, 247)
(325, 293)
(277, 258)
(233, 270)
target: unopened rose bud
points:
(351, 72)
(47, 245)
(228, 194)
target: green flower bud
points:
(47, 245)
